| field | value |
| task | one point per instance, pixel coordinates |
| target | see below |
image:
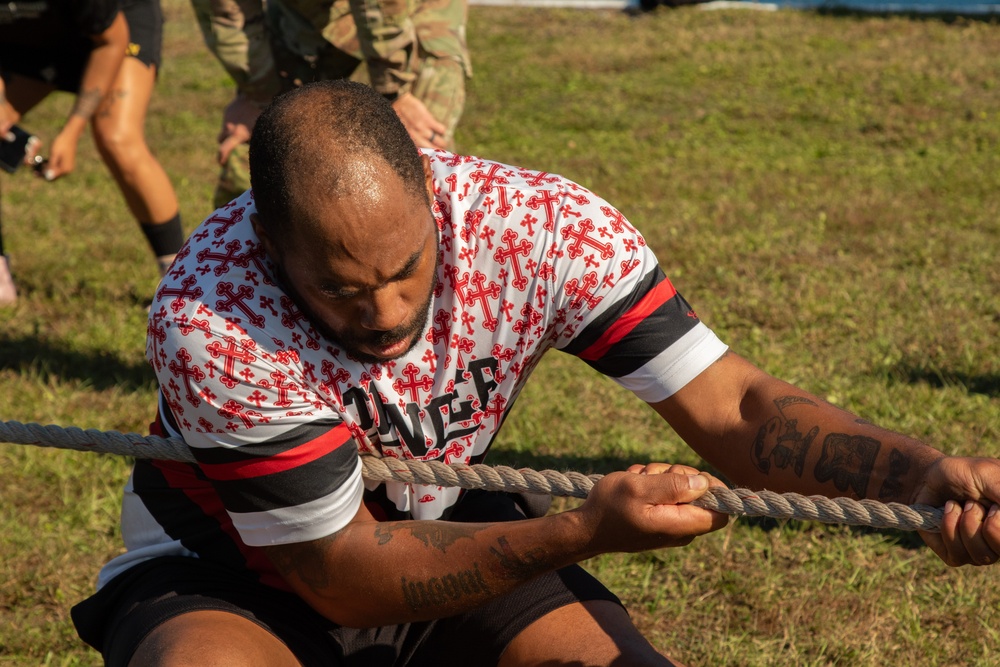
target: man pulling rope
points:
(370, 297)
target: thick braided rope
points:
(741, 502)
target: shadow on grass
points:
(48, 360)
(943, 14)
(988, 385)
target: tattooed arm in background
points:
(98, 75)
(762, 432)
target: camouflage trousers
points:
(420, 43)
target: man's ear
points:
(265, 240)
(428, 178)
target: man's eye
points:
(340, 294)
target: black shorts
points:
(63, 67)
(133, 604)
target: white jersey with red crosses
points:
(276, 415)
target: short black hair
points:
(312, 129)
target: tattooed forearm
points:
(86, 103)
(512, 565)
(438, 591)
(785, 401)
(892, 487)
(779, 442)
(848, 460)
(437, 534)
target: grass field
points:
(825, 189)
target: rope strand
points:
(738, 502)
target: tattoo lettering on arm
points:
(892, 487)
(779, 442)
(438, 534)
(848, 460)
(438, 591)
(86, 103)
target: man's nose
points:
(384, 310)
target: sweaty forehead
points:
(362, 214)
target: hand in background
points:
(425, 130)
(238, 121)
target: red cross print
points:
(471, 226)
(505, 308)
(224, 222)
(547, 200)
(495, 408)
(540, 294)
(454, 451)
(232, 353)
(583, 291)
(281, 387)
(481, 294)
(237, 299)
(487, 235)
(520, 282)
(434, 334)
(628, 266)
(157, 333)
(174, 390)
(529, 318)
(537, 179)
(581, 200)
(583, 237)
(430, 359)
(619, 223)
(331, 380)
(412, 384)
(231, 257)
(502, 353)
(187, 290)
(462, 344)
(529, 222)
(489, 179)
(504, 209)
(232, 408)
(184, 372)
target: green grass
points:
(824, 189)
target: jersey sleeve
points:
(284, 465)
(621, 314)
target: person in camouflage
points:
(411, 51)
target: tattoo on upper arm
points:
(779, 443)
(304, 560)
(86, 103)
(848, 460)
(892, 487)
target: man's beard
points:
(352, 344)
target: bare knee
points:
(589, 634)
(211, 639)
(122, 147)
